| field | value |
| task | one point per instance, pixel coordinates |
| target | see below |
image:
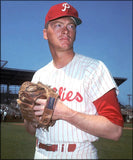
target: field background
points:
(16, 143)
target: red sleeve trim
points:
(108, 106)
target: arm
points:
(98, 125)
(29, 127)
(94, 124)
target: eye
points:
(71, 27)
(57, 25)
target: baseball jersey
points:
(79, 83)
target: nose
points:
(65, 30)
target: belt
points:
(71, 147)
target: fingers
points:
(41, 101)
(39, 113)
(39, 110)
(39, 107)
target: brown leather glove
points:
(28, 94)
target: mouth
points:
(65, 38)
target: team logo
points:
(65, 5)
(69, 95)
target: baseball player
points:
(88, 107)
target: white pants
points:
(82, 151)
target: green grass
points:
(16, 143)
(122, 149)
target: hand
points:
(39, 107)
(60, 110)
(41, 104)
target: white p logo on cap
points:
(65, 5)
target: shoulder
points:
(88, 63)
(44, 68)
(42, 71)
(92, 68)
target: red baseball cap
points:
(62, 10)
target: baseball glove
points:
(28, 94)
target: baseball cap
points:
(62, 10)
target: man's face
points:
(60, 33)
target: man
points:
(88, 107)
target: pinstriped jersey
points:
(79, 83)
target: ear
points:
(45, 34)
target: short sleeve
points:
(98, 81)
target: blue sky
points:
(105, 34)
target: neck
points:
(62, 58)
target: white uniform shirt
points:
(79, 83)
